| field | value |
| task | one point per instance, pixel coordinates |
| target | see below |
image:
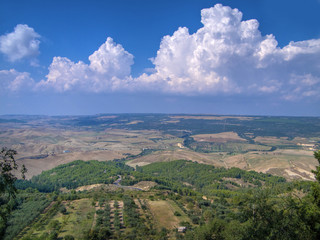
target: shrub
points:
(68, 237)
(176, 213)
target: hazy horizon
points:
(154, 113)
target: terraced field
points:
(80, 217)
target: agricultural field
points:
(162, 200)
(279, 145)
(69, 218)
(114, 216)
(163, 213)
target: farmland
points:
(277, 145)
(88, 200)
(110, 215)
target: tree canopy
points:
(7, 179)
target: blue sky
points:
(249, 57)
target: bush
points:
(176, 213)
(68, 237)
(62, 209)
(195, 219)
(53, 235)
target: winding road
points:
(118, 181)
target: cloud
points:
(227, 56)
(23, 42)
(13, 81)
(109, 66)
(230, 56)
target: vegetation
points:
(207, 178)
(261, 143)
(75, 174)
(7, 187)
(210, 202)
(28, 206)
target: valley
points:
(278, 145)
(159, 176)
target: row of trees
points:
(262, 213)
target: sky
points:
(235, 57)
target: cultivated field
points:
(219, 137)
(78, 220)
(163, 214)
(81, 216)
(43, 149)
(281, 146)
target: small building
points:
(182, 229)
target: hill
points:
(281, 146)
(203, 200)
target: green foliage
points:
(77, 173)
(7, 187)
(317, 171)
(131, 215)
(205, 177)
(176, 213)
(54, 225)
(68, 237)
(102, 229)
(269, 217)
(260, 215)
(62, 209)
(276, 210)
(29, 207)
(7, 165)
(259, 126)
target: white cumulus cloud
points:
(109, 66)
(23, 42)
(13, 81)
(228, 55)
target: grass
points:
(163, 213)
(184, 217)
(78, 220)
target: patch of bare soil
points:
(145, 185)
(219, 137)
(89, 187)
(107, 187)
(171, 155)
(236, 161)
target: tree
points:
(313, 214)
(317, 171)
(7, 166)
(316, 186)
(7, 189)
